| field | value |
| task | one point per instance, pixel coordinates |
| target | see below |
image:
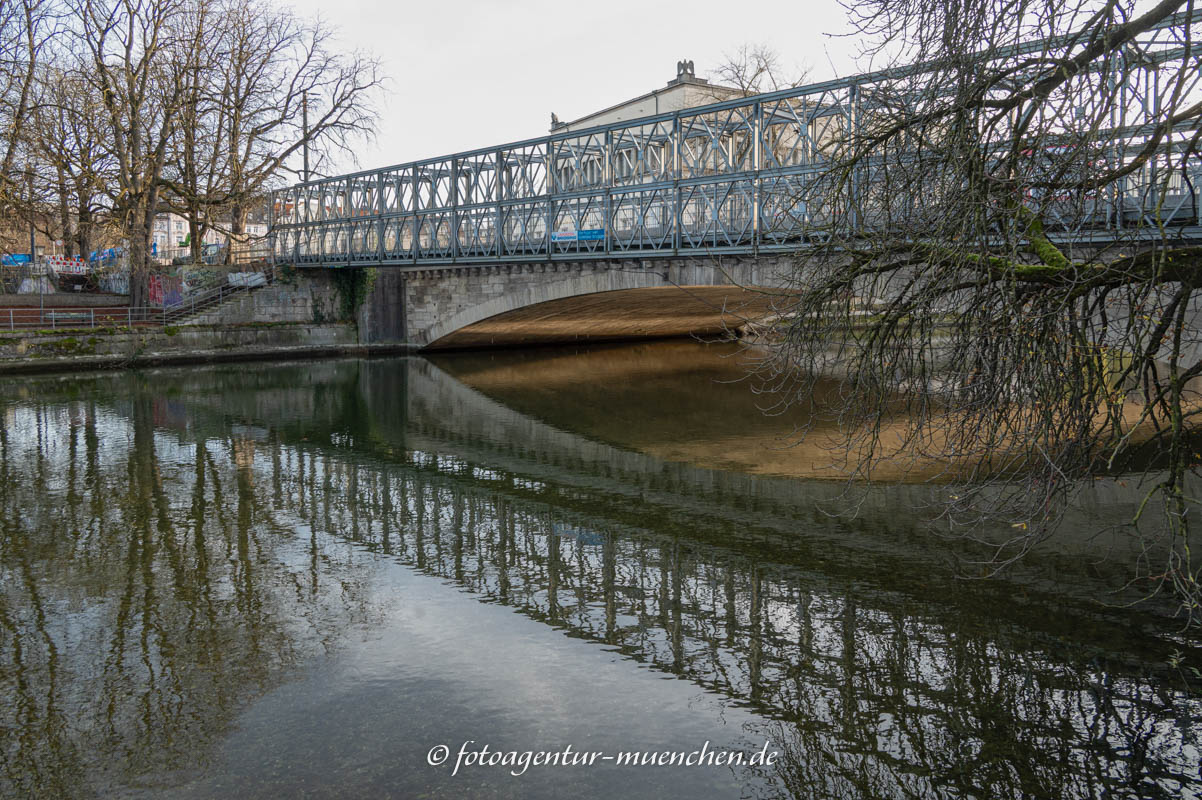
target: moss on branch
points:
(1049, 254)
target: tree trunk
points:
(194, 232)
(83, 217)
(237, 229)
(64, 216)
(83, 227)
(139, 264)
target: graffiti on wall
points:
(114, 282)
(166, 291)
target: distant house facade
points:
(170, 232)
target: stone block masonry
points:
(311, 297)
(87, 349)
(440, 301)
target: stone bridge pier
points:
(508, 304)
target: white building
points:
(170, 232)
(686, 90)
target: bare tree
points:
(26, 30)
(193, 105)
(68, 144)
(282, 68)
(995, 262)
(269, 69)
(192, 172)
(754, 69)
(135, 52)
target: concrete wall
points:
(308, 310)
(420, 307)
(381, 317)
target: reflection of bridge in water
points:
(887, 676)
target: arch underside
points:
(641, 313)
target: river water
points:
(302, 579)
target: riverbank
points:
(121, 348)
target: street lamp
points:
(305, 130)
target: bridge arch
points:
(501, 305)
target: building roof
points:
(675, 95)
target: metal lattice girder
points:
(719, 214)
(434, 233)
(477, 179)
(524, 169)
(785, 214)
(718, 142)
(524, 228)
(644, 219)
(580, 162)
(433, 185)
(739, 175)
(477, 233)
(643, 153)
(579, 213)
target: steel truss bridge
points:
(741, 176)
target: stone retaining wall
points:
(310, 297)
(100, 349)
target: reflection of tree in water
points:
(147, 591)
(150, 587)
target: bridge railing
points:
(735, 176)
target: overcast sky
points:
(471, 73)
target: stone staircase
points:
(205, 307)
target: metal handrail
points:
(77, 318)
(206, 300)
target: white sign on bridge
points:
(573, 235)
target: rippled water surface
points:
(296, 580)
